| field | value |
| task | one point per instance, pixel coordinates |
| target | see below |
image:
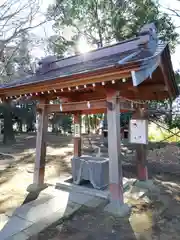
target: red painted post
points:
(141, 156)
(114, 145)
(141, 150)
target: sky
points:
(47, 29)
(174, 4)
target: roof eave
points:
(98, 75)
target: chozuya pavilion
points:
(112, 79)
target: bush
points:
(157, 134)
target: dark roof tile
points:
(76, 64)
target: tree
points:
(102, 22)
(22, 58)
(16, 19)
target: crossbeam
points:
(88, 106)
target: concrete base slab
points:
(18, 236)
(148, 184)
(14, 226)
(64, 185)
(3, 220)
(36, 188)
(117, 209)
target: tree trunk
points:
(20, 126)
(8, 137)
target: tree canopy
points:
(103, 22)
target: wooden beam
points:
(164, 72)
(39, 169)
(97, 111)
(149, 88)
(92, 93)
(114, 143)
(86, 105)
(101, 75)
(147, 91)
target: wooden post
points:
(39, 168)
(141, 161)
(77, 136)
(141, 151)
(114, 143)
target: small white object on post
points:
(138, 129)
(139, 136)
(77, 135)
(77, 130)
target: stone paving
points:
(34, 216)
(51, 205)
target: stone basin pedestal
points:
(94, 169)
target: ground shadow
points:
(25, 142)
(88, 223)
(31, 197)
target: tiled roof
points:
(86, 66)
(138, 48)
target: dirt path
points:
(144, 224)
(17, 174)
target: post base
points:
(118, 209)
(32, 188)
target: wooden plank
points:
(39, 168)
(166, 80)
(149, 88)
(96, 111)
(115, 165)
(86, 105)
(92, 93)
(102, 75)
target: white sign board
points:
(77, 130)
(138, 130)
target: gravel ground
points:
(159, 219)
(166, 226)
(17, 174)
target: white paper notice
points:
(77, 130)
(138, 131)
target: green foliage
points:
(102, 22)
(157, 134)
(60, 121)
(66, 123)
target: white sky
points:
(47, 30)
(174, 4)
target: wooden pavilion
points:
(111, 79)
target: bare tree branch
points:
(16, 17)
(174, 12)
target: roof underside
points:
(142, 61)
